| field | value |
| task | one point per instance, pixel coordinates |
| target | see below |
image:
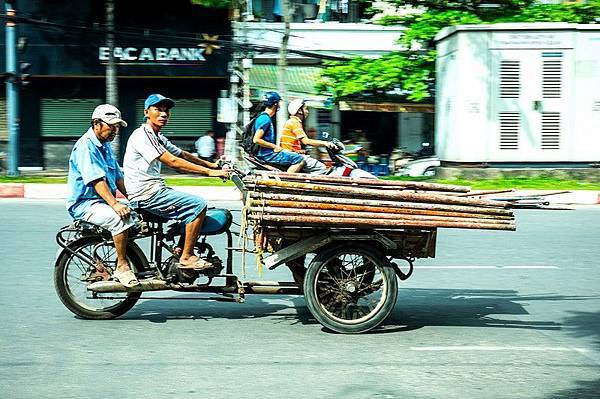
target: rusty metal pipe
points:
(343, 180)
(366, 202)
(365, 215)
(378, 194)
(373, 223)
(375, 209)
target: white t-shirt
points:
(141, 164)
(205, 146)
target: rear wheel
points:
(350, 289)
(72, 276)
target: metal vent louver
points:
(550, 130)
(510, 79)
(510, 125)
(552, 77)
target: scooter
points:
(341, 164)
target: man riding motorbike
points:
(265, 138)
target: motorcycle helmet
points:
(270, 98)
(295, 106)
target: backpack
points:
(248, 136)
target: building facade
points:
(172, 51)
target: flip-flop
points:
(200, 264)
(127, 278)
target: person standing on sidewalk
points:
(205, 146)
(94, 177)
(147, 149)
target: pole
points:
(112, 90)
(281, 67)
(12, 91)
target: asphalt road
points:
(494, 315)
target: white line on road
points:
(486, 267)
(500, 348)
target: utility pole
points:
(112, 89)
(231, 147)
(239, 78)
(281, 67)
(12, 90)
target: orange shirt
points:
(291, 134)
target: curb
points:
(214, 193)
(61, 191)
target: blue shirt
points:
(90, 160)
(265, 123)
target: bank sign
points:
(153, 56)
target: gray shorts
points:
(101, 214)
(313, 166)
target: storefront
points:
(154, 52)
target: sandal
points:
(200, 264)
(127, 278)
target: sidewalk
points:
(230, 193)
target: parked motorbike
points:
(420, 163)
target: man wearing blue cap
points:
(147, 149)
(264, 136)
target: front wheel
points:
(72, 276)
(350, 288)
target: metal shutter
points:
(188, 118)
(3, 125)
(510, 79)
(509, 130)
(66, 117)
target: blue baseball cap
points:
(154, 99)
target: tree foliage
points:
(213, 3)
(412, 72)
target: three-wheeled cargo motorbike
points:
(350, 284)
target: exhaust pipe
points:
(115, 286)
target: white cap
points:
(109, 114)
(295, 106)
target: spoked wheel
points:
(350, 289)
(72, 276)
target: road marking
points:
(486, 267)
(499, 348)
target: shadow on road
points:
(582, 325)
(418, 308)
(415, 308)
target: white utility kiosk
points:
(518, 93)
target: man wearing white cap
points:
(293, 137)
(94, 177)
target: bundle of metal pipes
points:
(287, 199)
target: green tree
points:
(412, 72)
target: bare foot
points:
(189, 260)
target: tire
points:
(72, 289)
(350, 288)
(430, 171)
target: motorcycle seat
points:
(217, 221)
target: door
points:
(528, 105)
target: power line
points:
(228, 44)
